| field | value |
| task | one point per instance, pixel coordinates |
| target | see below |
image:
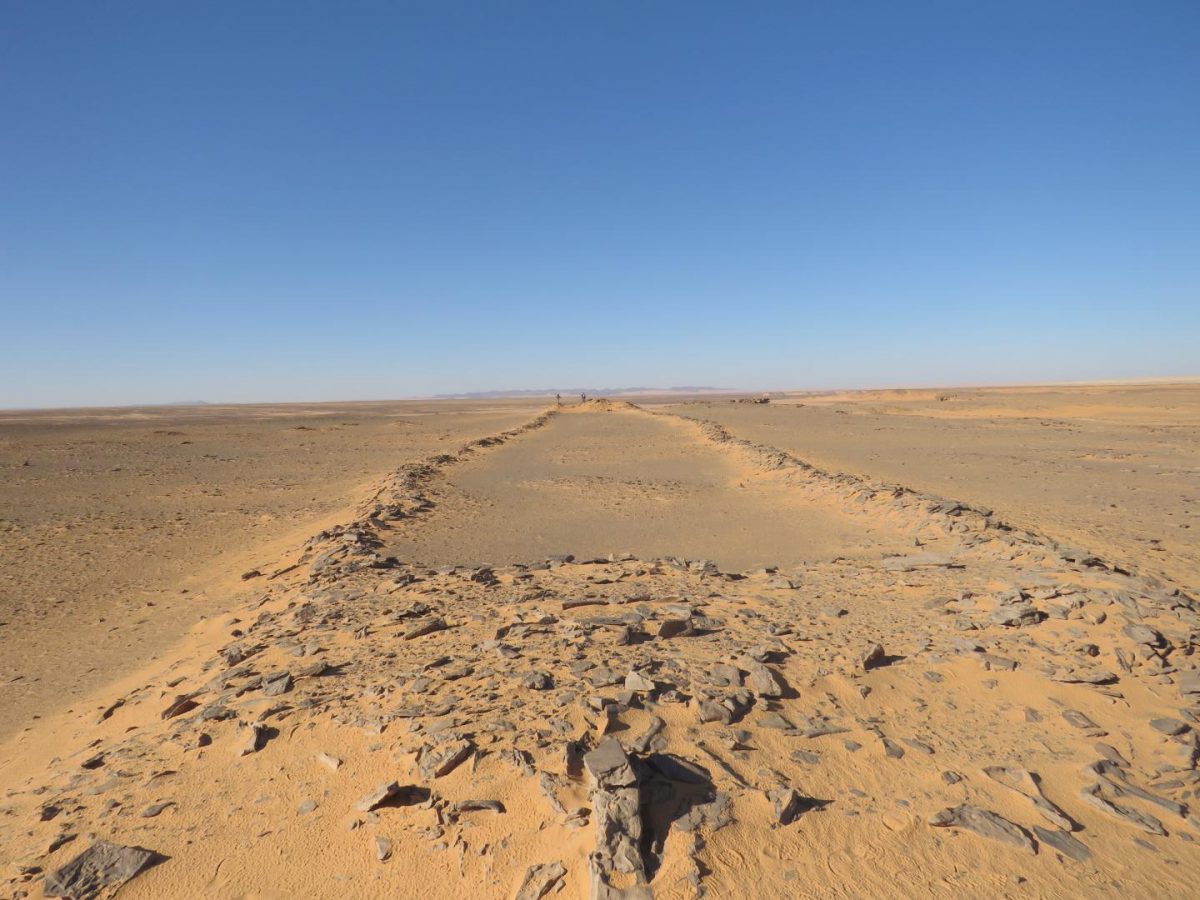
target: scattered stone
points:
(774, 721)
(676, 628)
(1144, 634)
(1084, 676)
(1077, 719)
(991, 662)
(383, 849)
(636, 681)
(425, 626)
(762, 680)
(276, 684)
(1016, 615)
(538, 681)
(255, 740)
(871, 657)
(641, 743)
(463, 806)
(540, 880)
(382, 794)
(1117, 782)
(445, 758)
(181, 704)
(332, 763)
(786, 804)
(1112, 754)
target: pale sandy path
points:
(593, 483)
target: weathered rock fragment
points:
(181, 704)
(761, 680)
(540, 881)
(641, 743)
(255, 739)
(871, 657)
(380, 795)
(538, 681)
(445, 758)
(786, 804)
(616, 865)
(277, 683)
(636, 681)
(332, 763)
(425, 626)
(383, 848)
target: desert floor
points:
(923, 643)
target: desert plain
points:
(915, 643)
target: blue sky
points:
(306, 201)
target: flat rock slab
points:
(921, 561)
(986, 824)
(102, 865)
(1064, 843)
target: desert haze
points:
(860, 644)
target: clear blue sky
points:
(296, 200)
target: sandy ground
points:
(119, 529)
(1114, 468)
(837, 650)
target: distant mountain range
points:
(591, 392)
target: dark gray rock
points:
(100, 866)
(986, 824)
(1064, 843)
(1093, 794)
(425, 626)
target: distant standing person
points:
(558, 397)
(583, 398)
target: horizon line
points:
(530, 393)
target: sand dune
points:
(619, 651)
